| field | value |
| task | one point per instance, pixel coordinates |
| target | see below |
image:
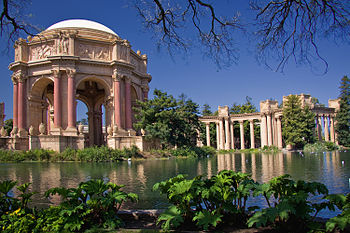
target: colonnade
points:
(325, 121)
(225, 137)
(271, 129)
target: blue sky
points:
(196, 77)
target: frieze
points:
(41, 51)
(94, 52)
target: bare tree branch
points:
(169, 21)
(13, 20)
(292, 29)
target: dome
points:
(81, 23)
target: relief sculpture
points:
(93, 52)
(38, 52)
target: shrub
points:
(320, 147)
(289, 205)
(206, 202)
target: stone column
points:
(331, 118)
(222, 135)
(145, 90)
(227, 134)
(116, 87)
(279, 133)
(217, 136)
(232, 136)
(57, 99)
(319, 128)
(207, 130)
(71, 100)
(263, 135)
(269, 129)
(241, 130)
(326, 126)
(15, 103)
(128, 103)
(252, 137)
(22, 105)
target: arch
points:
(38, 87)
(106, 86)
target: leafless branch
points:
(169, 20)
(292, 28)
(13, 20)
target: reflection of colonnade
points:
(270, 121)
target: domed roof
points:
(81, 23)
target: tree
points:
(298, 123)
(8, 125)
(173, 122)
(206, 110)
(284, 29)
(342, 118)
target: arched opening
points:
(41, 105)
(92, 93)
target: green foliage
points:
(342, 118)
(8, 125)
(193, 151)
(320, 147)
(207, 202)
(173, 122)
(289, 205)
(298, 123)
(171, 218)
(15, 216)
(342, 220)
(92, 204)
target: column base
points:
(71, 131)
(131, 132)
(56, 131)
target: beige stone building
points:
(69, 61)
(269, 119)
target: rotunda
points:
(72, 60)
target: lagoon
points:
(139, 176)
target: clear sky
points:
(198, 78)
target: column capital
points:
(56, 73)
(241, 121)
(251, 120)
(71, 73)
(116, 76)
(207, 123)
(14, 79)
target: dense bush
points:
(90, 154)
(93, 204)
(320, 147)
(222, 200)
(193, 151)
(206, 202)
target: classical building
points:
(69, 61)
(269, 119)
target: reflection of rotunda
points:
(69, 61)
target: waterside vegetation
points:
(214, 204)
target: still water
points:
(331, 169)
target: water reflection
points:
(331, 168)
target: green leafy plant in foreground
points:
(206, 202)
(92, 204)
(15, 214)
(341, 221)
(289, 205)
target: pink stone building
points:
(69, 61)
